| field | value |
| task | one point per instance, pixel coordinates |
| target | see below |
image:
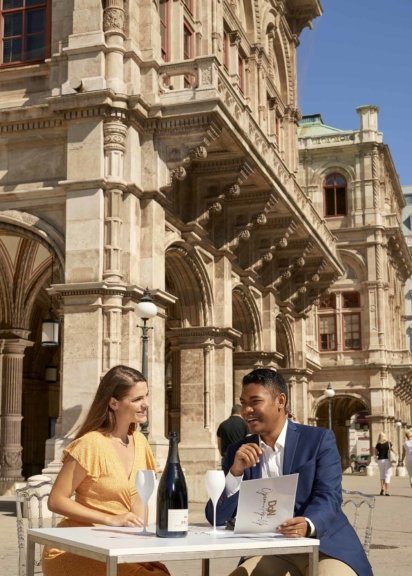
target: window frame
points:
(329, 349)
(165, 30)
(347, 314)
(241, 59)
(47, 5)
(328, 189)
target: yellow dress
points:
(108, 489)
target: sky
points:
(360, 52)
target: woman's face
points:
(133, 407)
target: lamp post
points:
(330, 393)
(145, 309)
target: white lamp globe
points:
(330, 392)
(146, 308)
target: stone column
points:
(113, 27)
(11, 416)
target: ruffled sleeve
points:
(86, 452)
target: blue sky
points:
(360, 52)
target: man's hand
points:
(294, 528)
(247, 456)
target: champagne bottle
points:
(172, 503)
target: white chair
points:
(32, 512)
(359, 508)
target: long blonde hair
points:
(382, 438)
(116, 383)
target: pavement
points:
(390, 555)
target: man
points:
(279, 446)
(231, 430)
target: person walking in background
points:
(231, 430)
(383, 454)
(407, 454)
(100, 467)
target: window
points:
(327, 333)
(226, 47)
(328, 301)
(25, 29)
(350, 300)
(241, 65)
(187, 42)
(164, 11)
(351, 331)
(334, 189)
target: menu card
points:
(265, 503)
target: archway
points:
(187, 280)
(349, 423)
(26, 271)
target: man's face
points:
(263, 411)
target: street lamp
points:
(330, 393)
(145, 309)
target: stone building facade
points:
(154, 144)
(358, 325)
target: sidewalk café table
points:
(115, 546)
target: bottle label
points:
(178, 520)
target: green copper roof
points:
(312, 126)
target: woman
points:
(383, 453)
(407, 454)
(100, 467)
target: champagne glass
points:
(145, 483)
(215, 484)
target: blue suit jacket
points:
(312, 453)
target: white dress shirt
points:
(272, 466)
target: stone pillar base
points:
(54, 452)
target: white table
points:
(114, 546)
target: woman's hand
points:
(127, 519)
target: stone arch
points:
(28, 247)
(248, 19)
(330, 167)
(246, 319)
(285, 341)
(33, 227)
(187, 279)
(344, 407)
(356, 262)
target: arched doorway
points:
(185, 279)
(349, 423)
(30, 400)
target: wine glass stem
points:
(146, 513)
(214, 517)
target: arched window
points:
(334, 190)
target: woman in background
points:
(383, 453)
(407, 454)
(100, 467)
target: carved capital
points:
(114, 134)
(114, 16)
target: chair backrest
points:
(32, 511)
(359, 508)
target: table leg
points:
(205, 566)
(111, 566)
(30, 557)
(313, 561)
